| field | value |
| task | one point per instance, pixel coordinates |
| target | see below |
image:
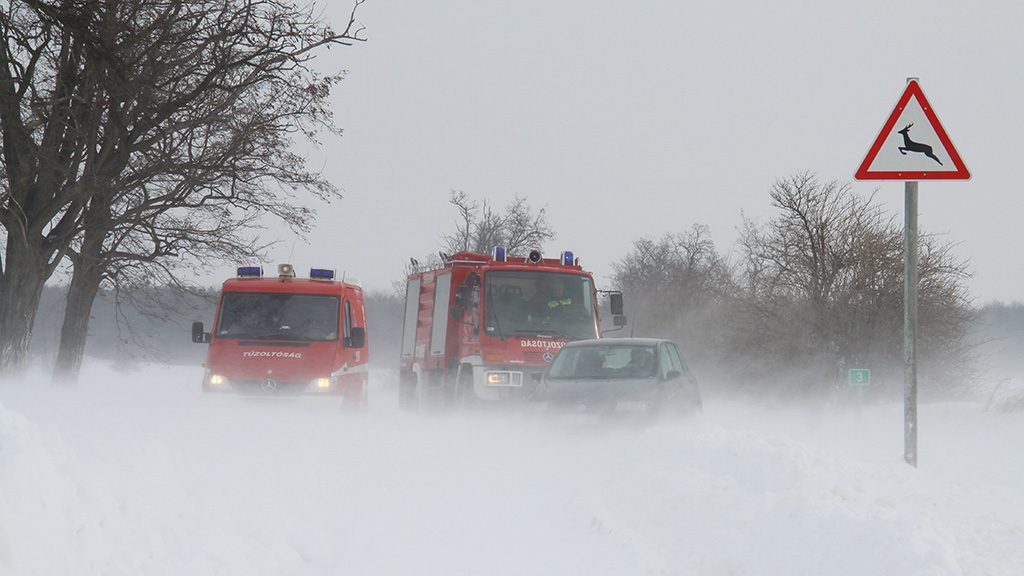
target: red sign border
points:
(913, 90)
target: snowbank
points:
(140, 473)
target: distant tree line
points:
(128, 331)
(999, 333)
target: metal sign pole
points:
(895, 156)
(910, 326)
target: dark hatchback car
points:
(617, 377)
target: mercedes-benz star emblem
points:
(548, 356)
(268, 385)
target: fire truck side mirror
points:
(615, 302)
(461, 295)
(357, 339)
(461, 298)
(619, 320)
(199, 336)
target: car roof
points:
(597, 342)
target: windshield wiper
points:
(274, 336)
(547, 332)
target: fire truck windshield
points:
(278, 316)
(536, 302)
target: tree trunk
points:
(75, 330)
(21, 288)
(22, 277)
(88, 270)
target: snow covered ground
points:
(139, 473)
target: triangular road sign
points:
(912, 145)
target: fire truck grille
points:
(269, 387)
(538, 357)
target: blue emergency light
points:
(568, 259)
(498, 255)
(250, 271)
(321, 274)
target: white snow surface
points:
(140, 473)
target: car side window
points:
(666, 360)
(675, 357)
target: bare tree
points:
(140, 131)
(679, 287)
(824, 290)
(480, 228)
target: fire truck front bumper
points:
(214, 382)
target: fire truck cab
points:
(475, 326)
(288, 336)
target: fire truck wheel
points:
(355, 399)
(465, 397)
(407, 391)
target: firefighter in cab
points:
(550, 299)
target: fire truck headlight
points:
(504, 378)
(322, 384)
(217, 381)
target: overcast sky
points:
(630, 120)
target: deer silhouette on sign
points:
(911, 146)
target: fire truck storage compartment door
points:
(412, 306)
(439, 323)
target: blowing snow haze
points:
(624, 122)
(141, 473)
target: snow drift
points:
(140, 473)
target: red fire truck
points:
(288, 336)
(474, 326)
